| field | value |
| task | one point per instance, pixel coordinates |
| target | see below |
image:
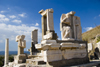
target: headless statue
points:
(21, 43)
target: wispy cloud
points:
(8, 8)
(99, 15)
(36, 24)
(22, 15)
(10, 31)
(2, 11)
(88, 28)
(12, 16)
(3, 18)
(17, 21)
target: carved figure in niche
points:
(65, 27)
(66, 32)
(21, 43)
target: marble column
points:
(50, 25)
(6, 51)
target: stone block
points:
(52, 55)
(48, 41)
(50, 52)
(69, 45)
(48, 44)
(34, 36)
(48, 36)
(74, 53)
(20, 58)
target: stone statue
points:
(70, 27)
(21, 43)
(65, 27)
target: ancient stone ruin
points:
(51, 52)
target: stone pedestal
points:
(20, 58)
(52, 55)
(50, 50)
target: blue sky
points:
(21, 17)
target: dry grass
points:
(91, 34)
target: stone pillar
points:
(6, 52)
(50, 25)
(34, 36)
(44, 25)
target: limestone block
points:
(66, 45)
(34, 36)
(48, 36)
(40, 46)
(47, 46)
(20, 58)
(75, 53)
(52, 55)
(54, 46)
(50, 52)
(69, 45)
(48, 41)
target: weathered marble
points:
(47, 24)
(20, 58)
(74, 53)
(52, 55)
(34, 36)
(70, 27)
(21, 43)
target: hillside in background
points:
(91, 34)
